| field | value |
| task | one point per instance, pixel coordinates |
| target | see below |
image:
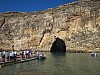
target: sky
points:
(30, 5)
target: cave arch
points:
(58, 46)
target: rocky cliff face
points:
(77, 23)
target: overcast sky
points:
(30, 5)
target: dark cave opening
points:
(58, 46)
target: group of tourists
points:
(13, 55)
(26, 53)
(7, 55)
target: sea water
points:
(57, 64)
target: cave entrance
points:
(58, 46)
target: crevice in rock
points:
(47, 31)
(2, 22)
(44, 32)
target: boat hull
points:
(41, 57)
(94, 54)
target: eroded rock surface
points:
(76, 23)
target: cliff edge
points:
(76, 23)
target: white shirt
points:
(0, 54)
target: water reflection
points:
(57, 64)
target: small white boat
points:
(94, 54)
(42, 56)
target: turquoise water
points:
(57, 64)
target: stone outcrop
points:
(76, 23)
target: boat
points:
(42, 56)
(2, 64)
(94, 54)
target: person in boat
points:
(21, 54)
(11, 55)
(6, 55)
(0, 66)
(14, 55)
(24, 54)
(3, 56)
(37, 54)
(0, 56)
(27, 54)
(30, 53)
(42, 55)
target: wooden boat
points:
(25, 60)
(2, 64)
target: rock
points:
(58, 46)
(73, 23)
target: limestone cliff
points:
(76, 23)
